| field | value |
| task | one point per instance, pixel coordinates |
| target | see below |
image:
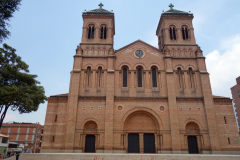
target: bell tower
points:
(94, 60)
(98, 26)
(184, 59)
(175, 28)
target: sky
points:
(45, 34)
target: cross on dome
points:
(171, 6)
(100, 5)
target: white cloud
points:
(224, 66)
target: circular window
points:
(161, 108)
(120, 108)
(139, 53)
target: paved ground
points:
(97, 156)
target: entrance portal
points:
(192, 145)
(133, 143)
(90, 144)
(149, 143)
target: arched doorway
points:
(192, 130)
(90, 130)
(141, 129)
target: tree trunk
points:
(3, 114)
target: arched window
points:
(185, 32)
(179, 75)
(154, 77)
(172, 31)
(191, 79)
(88, 76)
(125, 77)
(139, 77)
(103, 32)
(91, 31)
(99, 80)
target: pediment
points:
(130, 49)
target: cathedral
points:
(140, 99)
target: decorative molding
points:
(222, 101)
(169, 71)
(140, 98)
(201, 57)
(76, 70)
(57, 100)
(92, 98)
(110, 71)
(77, 56)
(203, 72)
(95, 56)
(191, 100)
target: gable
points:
(126, 55)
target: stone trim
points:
(203, 72)
(169, 71)
(76, 70)
(110, 71)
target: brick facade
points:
(166, 92)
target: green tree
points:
(18, 89)
(7, 8)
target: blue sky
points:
(47, 32)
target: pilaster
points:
(208, 103)
(108, 141)
(73, 101)
(173, 114)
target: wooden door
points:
(133, 143)
(149, 143)
(90, 144)
(192, 145)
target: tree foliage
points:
(18, 89)
(7, 8)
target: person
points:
(17, 156)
